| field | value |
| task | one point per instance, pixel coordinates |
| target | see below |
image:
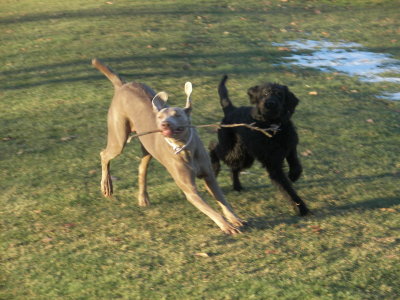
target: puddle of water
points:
(390, 96)
(346, 58)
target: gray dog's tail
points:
(226, 103)
(111, 75)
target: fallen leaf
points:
(47, 240)
(388, 209)
(202, 254)
(67, 138)
(308, 152)
(69, 225)
(316, 228)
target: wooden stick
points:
(250, 126)
(140, 134)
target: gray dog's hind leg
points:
(143, 196)
(116, 140)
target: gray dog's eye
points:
(175, 114)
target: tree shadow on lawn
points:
(172, 10)
(131, 68)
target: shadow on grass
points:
(133, 10)
(266, 222)
(131, 68)
(176, 9)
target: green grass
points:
(60, 239)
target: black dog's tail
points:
(226, 103)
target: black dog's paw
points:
(302, 210)
(238, 187)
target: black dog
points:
(238, 147)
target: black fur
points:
(238, 147)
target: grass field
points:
(60, 239)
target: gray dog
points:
(137, 108)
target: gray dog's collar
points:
(178, 148)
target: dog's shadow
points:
(266, 222)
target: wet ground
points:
(348, 58)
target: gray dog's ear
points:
(253, 94)
(188, 92)
(159, 101)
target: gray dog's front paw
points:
(144, 200)
(107, 187)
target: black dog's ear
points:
(253, 94)
(291, 101)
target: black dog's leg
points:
(215, 163)
(295, 168)
(278, 177)
(242, 160)
(237, 186)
